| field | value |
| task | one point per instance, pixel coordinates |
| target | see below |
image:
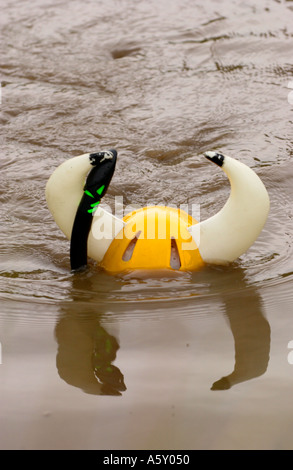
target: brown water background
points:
(195, 361)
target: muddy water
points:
(193, 361)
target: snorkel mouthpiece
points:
(101, 174)
(96, 158)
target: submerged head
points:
(154, 238)
(157, 237)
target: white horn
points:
(64, 191)
(228, 234)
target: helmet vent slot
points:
(127, 255)
(175, 262)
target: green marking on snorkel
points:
(94, 206)
(101, 189)
(88, 193)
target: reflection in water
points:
(107, 374)
(251, 332)
(86, 351)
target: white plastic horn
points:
(228, 234)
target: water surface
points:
(191, 361)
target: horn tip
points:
(215, 157)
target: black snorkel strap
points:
(95, 188)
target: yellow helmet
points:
(154, 238)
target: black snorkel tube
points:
(95, 188)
